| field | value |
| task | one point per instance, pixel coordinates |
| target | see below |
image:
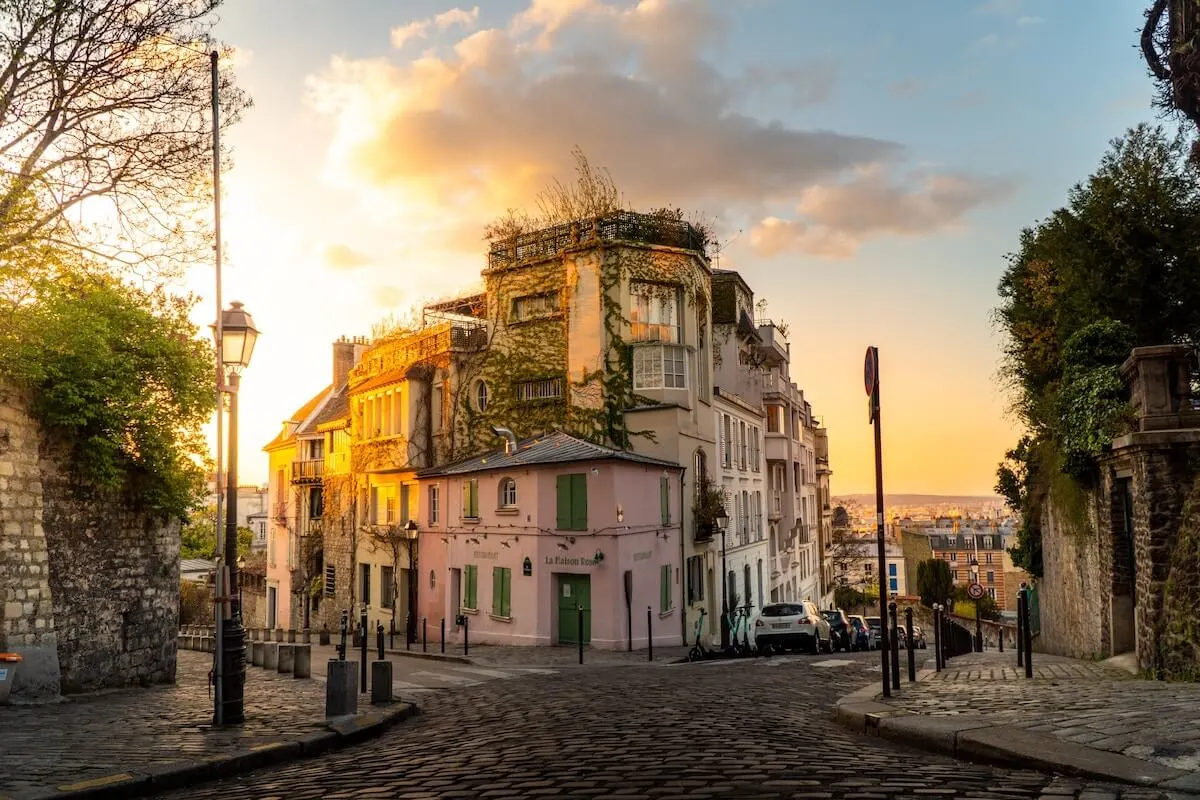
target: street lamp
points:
(410, 533)
(722, 520)
(978, 623)
(235, 339)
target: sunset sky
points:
(868, 165)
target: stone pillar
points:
(302, 661)
(257, 649)
(381, 682)
(1159, 387)
(286, 658)
(26, 608)
(271, 656)
(341, 688)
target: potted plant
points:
(709, 506)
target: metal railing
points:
(310, 469)
(626, 226)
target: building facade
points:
(551, 540)
(984, 544)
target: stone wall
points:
(26, 602)
(1072, 595)
(90, 589)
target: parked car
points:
(839, 628)
(864, 638)
(876, 630)
(791, 626)
(919, 637)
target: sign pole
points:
(871, 381)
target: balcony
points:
(775, 447)
(704, 533)
(775, 511)
(776, 385)
(622, 226)
(311, 470)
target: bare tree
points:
(105, 129)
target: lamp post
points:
(978, 623)
(722, 520)
(235, 344)
(410, 533)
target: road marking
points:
(445, 676)
(836, 662)
(535, 670)
(487, 673)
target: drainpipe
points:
(510, 439)
(683, 576)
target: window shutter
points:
(664, 496)
(564, 502)
(579, 521)
(506, 594)
(664, 588)
(474, 486)
(498, 591)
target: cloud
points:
(340, 256)
(444, 142)
(447, 19)
(833, 221)
(1030, 20)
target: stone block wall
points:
(89, 588)
(27, 625)
(1072, 593)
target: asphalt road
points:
(746, 729)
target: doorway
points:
(455, 593)
(271, 598)
(574, 593)
(1123, 619)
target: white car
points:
(791, 626)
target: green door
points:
(574, 592)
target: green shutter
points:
(664, 588)
(474, 488)
(579, 521)
(498, 591)
(564, 502)
(471, 573)
(664, 497)
(506, 594)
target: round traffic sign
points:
(871, 370)
(975, 591)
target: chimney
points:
(510, 439)
(343, 361)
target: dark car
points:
(840, 637)
(863, 639)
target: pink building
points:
(519, 540)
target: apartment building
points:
(978, 546)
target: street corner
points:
(367, 725)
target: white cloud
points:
(419, 29)
(1027, 20)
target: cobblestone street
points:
(1076, 701)
(758, 728)
(558, 656)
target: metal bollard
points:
(579, 633)
(466, 635)
(424, 635)
(912, 645)
(392, 632)
(937, 637)
(1020, 630)
(1028, 637)
(649, 635)
(1000, 640)
(895, 647)
(341, 648)
(443, 634)
(362, 642)
(379, 640)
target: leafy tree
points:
(1118, 267)
(121, 380)
(934, 582)
(849, 598)
(841, 518)
(198, 536)
(106, 107)
(964, 606)
(846, 552)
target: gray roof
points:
(336, 406)
(196, 565)
(553, 448)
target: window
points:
(470, 499)
(991, 578)
(470, 586)
(405, 502)
(987, 543)
(726, 443)
(755, 448)
(660, 367)
(774, 419)
(664, 499)
(893, 585)
(760, 583)
(365, 584)
(654, 312)
(572, 502)
(433, 505)
(987, 558)
(508, 493)
(501, 591)
(991, 591)
(545, 389)
(664, 588)
(387, 587)
(481, 396)
(743, 443)
(891, 570)
(747, 596)
(316, 502)
(533, 306)
(330, 580)
(695, 579)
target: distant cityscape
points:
(917, 507)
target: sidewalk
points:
(491, 655)
(1073, 717)
(128, 742)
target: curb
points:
(431, 656)
(978, 739)
(338, 732)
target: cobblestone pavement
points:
(96, 735)
(565, 656)
(758, 728)
(1083, 702)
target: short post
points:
(895, 665)
(1000, 637)
(443, 635)
(341, 697)
(1020, 629)
(381, 679)
(466, 635)
(379, 640)
(937, 637)
(287, 658)
(1028, 636)
(392, 630)
(302, 661)
(271, 656)
(341, 647)
(324, 636)
(649, 635)
(579, 636)
(362, 643)
(424, 634)
(912, 645)
(407, 637)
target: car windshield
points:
(784, 610)
(873, 622)
(832, 616)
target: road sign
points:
(871, 370)
(975, 591)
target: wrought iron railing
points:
(308, 470)
(626, 226)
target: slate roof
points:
(337, 407)
(553, 448)
(303, 413)
(196, 565)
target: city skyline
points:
(384, 138)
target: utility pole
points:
(219, 585)
(871, 381)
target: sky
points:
(868, 166)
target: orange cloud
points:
(420, 28)
(460, 134)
